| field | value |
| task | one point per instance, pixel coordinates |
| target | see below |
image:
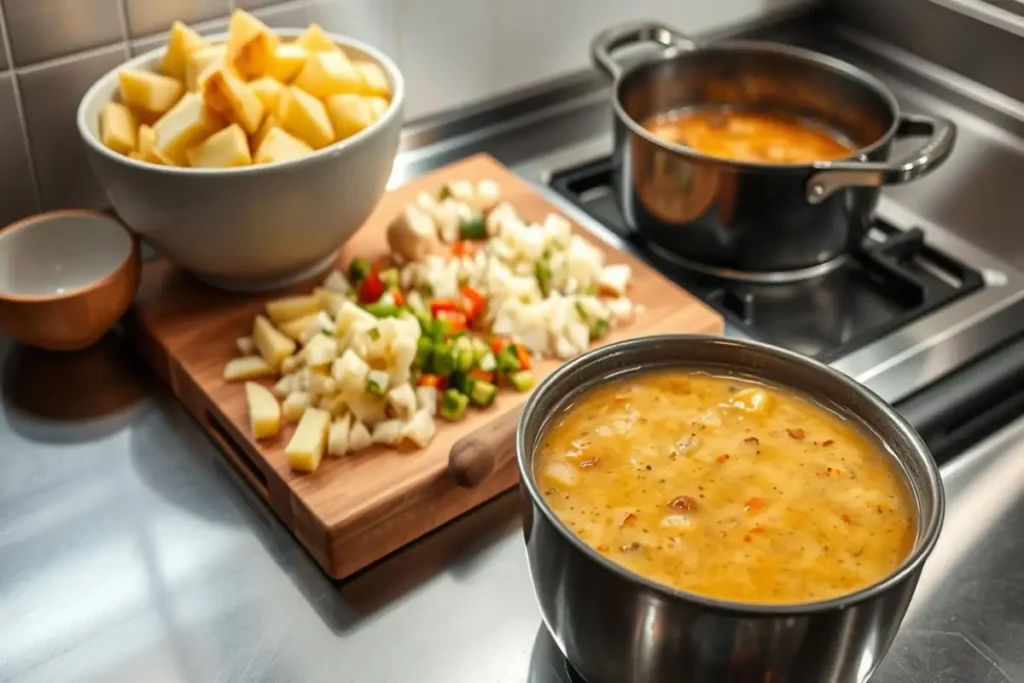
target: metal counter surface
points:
(130, 552)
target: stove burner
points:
(894, 279)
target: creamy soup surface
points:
(748, 136)
(726, 488)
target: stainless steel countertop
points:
(130, 552)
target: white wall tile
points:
(447, 52)
(540, 39)
(371, 21)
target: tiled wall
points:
(451, 52)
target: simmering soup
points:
(726, 488)
(749, 136)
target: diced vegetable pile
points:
(470, 295)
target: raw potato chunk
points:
(250, 45)
(329, 73)
(375, 81)
(224, 149)
(286, 61)
(349, 114)
(182, 42)
(271, 342)
(306, 448)
(228, 96)
(247, 367)
(269, 121)
(146, 145)
(278, 145)
(297, 328)
(201, 62)
(184, 126)
(118, 128)
(378, 106)
(315, 39)
(150, 92)
(291, 307)
(268, 91)
(337, 438)
(264, 411)
(305, 117)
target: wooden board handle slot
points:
(475, 456)
(236, 456)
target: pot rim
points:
(838, 67)
(928, 528)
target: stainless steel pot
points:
(615, 626)
(761, 222)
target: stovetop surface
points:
(897, 278)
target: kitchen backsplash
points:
(452, 52)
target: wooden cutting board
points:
(357, 509)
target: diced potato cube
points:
(118, 128)
(268, 91)
(286, 61)
(305, 117)
(331, 302)
(290, 364)
(286, 385)
(269, 121)
(264, 411)
(388, 432)
(337, 438)
(296, 329)
(315, 39)
(295, 404)
(271, 342)
(247, 367)
(349, 114)
(359, 437)
(150, 92)
(278, 145)
(223, 149)
(250, 44)
(306, 448)
(246, 346)
(321, 350)
(201, 63)
(227, 95)
(420, 429)
(351, 372)
(378, 106)
(329, 73)
(187, 124)
(146, 150)
(426, 399)
(182, 42)
(403, 400)
(614, 279)
(291, 307)
(375, 81)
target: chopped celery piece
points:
(522, 380)
(453, 405)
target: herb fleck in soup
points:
(726, 488)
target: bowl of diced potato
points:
(246, 158)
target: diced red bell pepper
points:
(443, 305)
(429, 380)
(463, 248)
(523, 356)
(482, 375)
(454, 321)
(399, 298)
(372, 288)
(497, 344)
(473, 302)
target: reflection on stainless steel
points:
(128, 552)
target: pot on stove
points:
(758, 221)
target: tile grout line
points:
(122, 16)
(20, 111)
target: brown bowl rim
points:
(110, 277)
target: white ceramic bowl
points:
(252, 228)
(65, 278)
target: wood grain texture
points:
(357, 509)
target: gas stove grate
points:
(895, 279)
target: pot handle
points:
(611, 39)
(833, 176)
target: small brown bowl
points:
(66, 277)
